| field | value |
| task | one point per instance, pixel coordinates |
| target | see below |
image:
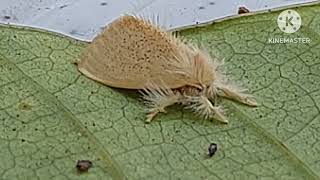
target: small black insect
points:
(213, 147)
(83, 165)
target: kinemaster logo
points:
(289, 22)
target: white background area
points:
(84, 19)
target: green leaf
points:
(51, 115)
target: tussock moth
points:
(134, 53)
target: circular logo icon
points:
(289, 21)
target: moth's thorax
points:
(203, 69)
(209, 77)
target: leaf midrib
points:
(274, 140)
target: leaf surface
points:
(51, 115)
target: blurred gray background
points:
(84, 19)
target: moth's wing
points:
(129, 53)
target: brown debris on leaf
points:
(83, 165)
(243, 10)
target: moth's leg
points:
(159, 107)
(157, 99)
(201, 105)
(236, 95)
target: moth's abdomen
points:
(131, 52)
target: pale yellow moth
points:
(134, 53)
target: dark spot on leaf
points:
(93, 124)
(23, 140)
(14, 129)
(83, 165)
(177, 131)
(36, 129)
(25, 107)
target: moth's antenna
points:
(141, 11)
(158, 19)
(136, 6)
